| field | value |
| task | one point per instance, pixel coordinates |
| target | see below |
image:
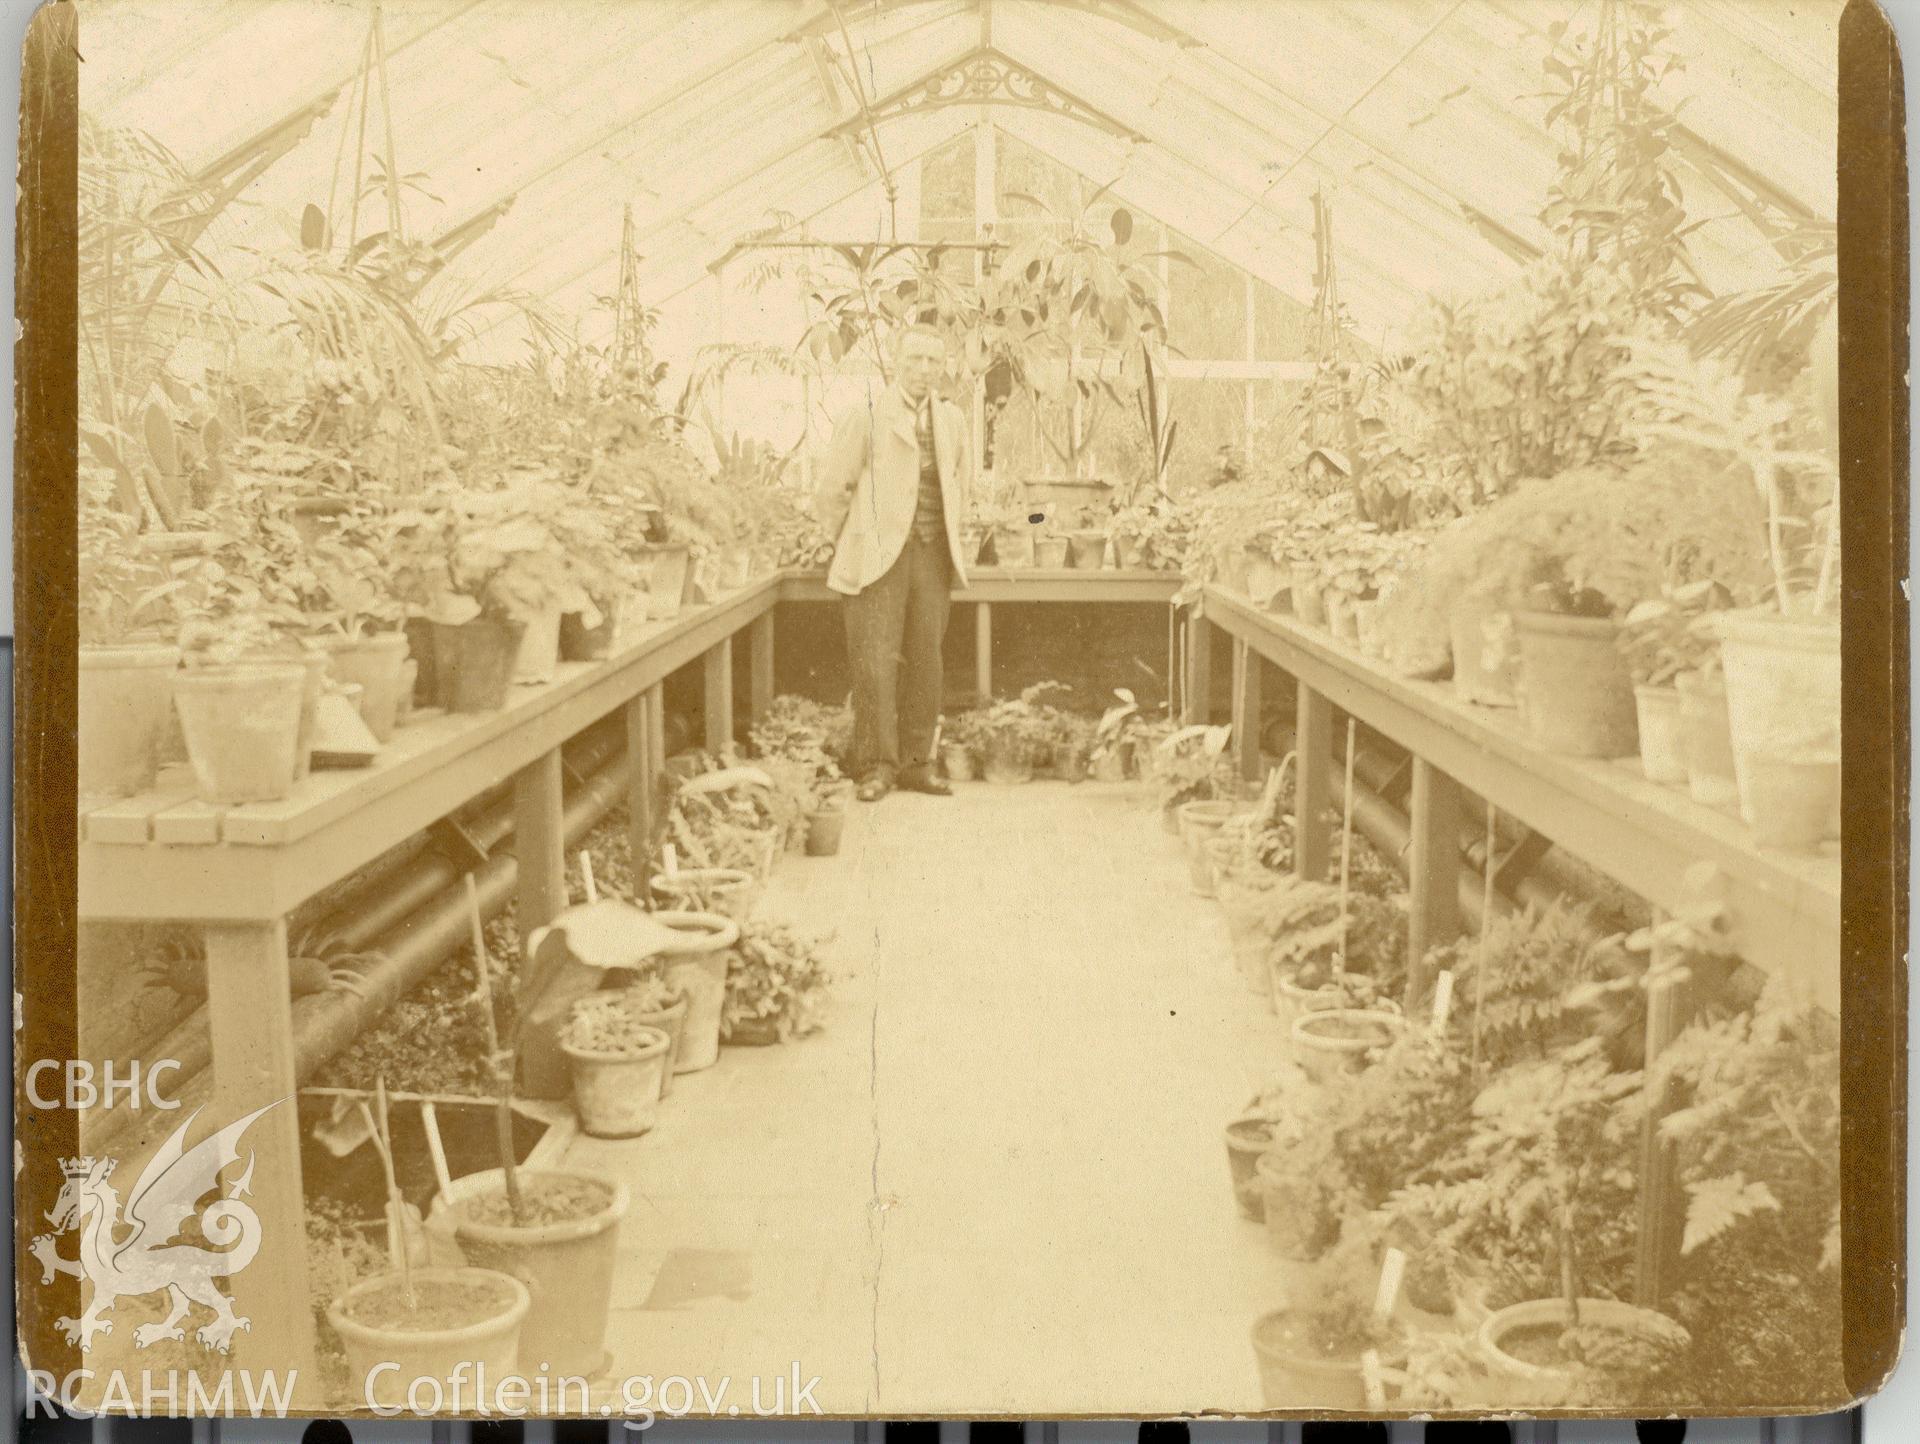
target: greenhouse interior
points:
(631, 554)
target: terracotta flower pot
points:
(1576, 694)
(1247, 1138)
(1005, 767)
(1485, 661)
(1309, 596)
(1783, 689)
(538, 656)
(671, 1020)
(699, 971)
(473, 663)
(1050, 552)
(617, 1095)
(1200, 823)
(378, 665)
(668, 568)
(376, 1328)
(1500, 1332)
(1706, 743)
(567, 1265)
(1790, 800)
(956, 761)
(824, 829)
(1013, 546)
(242, 725)
(1335, 1040)
(731, 892)
(1087, 550)
(1662, 754)
(125, 707)
(1296, 1374)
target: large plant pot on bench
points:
(125, 704)
(1783, 692)
(1575, 691)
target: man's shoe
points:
(921, 779)
(875, 786)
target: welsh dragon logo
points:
(127, 1256)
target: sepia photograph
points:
(961, 708)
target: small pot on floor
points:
(1248, 1136)
(457, 1320)
(617, 1095)
(956, 761)
(824, 828)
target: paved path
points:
(995, 1183)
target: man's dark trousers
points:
(894, 631)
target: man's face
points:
(920, 361)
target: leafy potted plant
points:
(125, 682)
(1110, 757)
(826, 821)
(654, 1002)
(248, 691)
(1192, 764)
(1076, 320)
(1662, 638)
(1152, 532)
(619, 1064)
(1310, 1354)
(776, 987)
(1073, 746)
(481, 564)
(1560, 1121)
(556, 1230)
(1756, 1134)
(1781, 659)
(1013, 733)
(365, 643)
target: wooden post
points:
(1246, 708)
(657, 728)
(641, 782)
(1668, 1004)
(760, 666)
(719, 695)
(1313, 741)
(250, 1019)
(983, 650)
(1433, 870)
(1199, 668)
(539, 842)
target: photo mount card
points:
(961, 708)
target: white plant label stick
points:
(586, 876)
(672, 857)
(1442, 1001)
(1370, 1376)
(1393, 1268)
(1346, 847)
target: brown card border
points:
(1873, 254)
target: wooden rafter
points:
(986, 76)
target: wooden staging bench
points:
(1784, 907)
(990, 586)
(239, 872)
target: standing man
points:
(893, 495)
